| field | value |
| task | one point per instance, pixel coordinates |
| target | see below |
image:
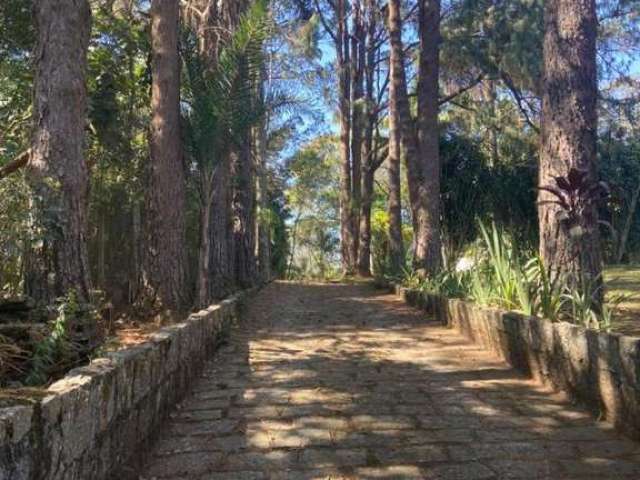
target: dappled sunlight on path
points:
(343, 382)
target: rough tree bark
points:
(370, 117)
(358, 60)
(242, 176)
(164, 273)
(263, 226)
(396, 244)
(58, 172)
(214, 22)
(244, 209)
(222, 251)
(420, 137)
(343, 50)
(399, 104)
(569, 127)
(428, 247)
(203, 287)
(346, 60)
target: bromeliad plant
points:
(576, 197)
(507, 280)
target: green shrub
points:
(56, 351)
(506, 279)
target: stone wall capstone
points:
(90, 423)
(600, 370)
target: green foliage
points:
(119, 114)
(481, 286)
(546, 293)
(223, 102)
(581, 303)
(451, 284)
(14, 232)
(474, 186)
(380, 241)
(619, 162)
(507, 278)
(497, 38)
(56, 350)
(17, 39)
(312, 197)
(279, 238)
(501, 277)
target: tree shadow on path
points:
(345, 382)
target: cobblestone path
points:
(344, 382)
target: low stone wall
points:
(600, 370)
(90, 423)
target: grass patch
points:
(625, 280)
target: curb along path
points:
(345, 382)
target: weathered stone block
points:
(601, 370)
(98, 416)
(68, 423)
(629, 351)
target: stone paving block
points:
(190, 465)
(265, 461)
(333, 458)
(200, 443)
(196, 415)
(526, 469)
(392, 472)
(377, 391)
(458, 471)
(397, 453)
(209, 427)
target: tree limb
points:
(16, 164)
(519, 100)
(461, 90)
(324, 22)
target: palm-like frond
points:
(222, 101)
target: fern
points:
(55, 348)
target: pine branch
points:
(16, 164)
(461, 90)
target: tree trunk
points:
(396, 244)
(59, 175)
(399, 104)
(358, 61)
(428, 246)
(222, 252)
(263, 230)
(419, 139)
(368, 66)
(165, 261)
(244, 216)
(364, 247)
(214, 21)
(102, 249)
(136, 237)
(242, 175)
(204, 250)
(347, 234)
(294, 244)
(569, 130)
